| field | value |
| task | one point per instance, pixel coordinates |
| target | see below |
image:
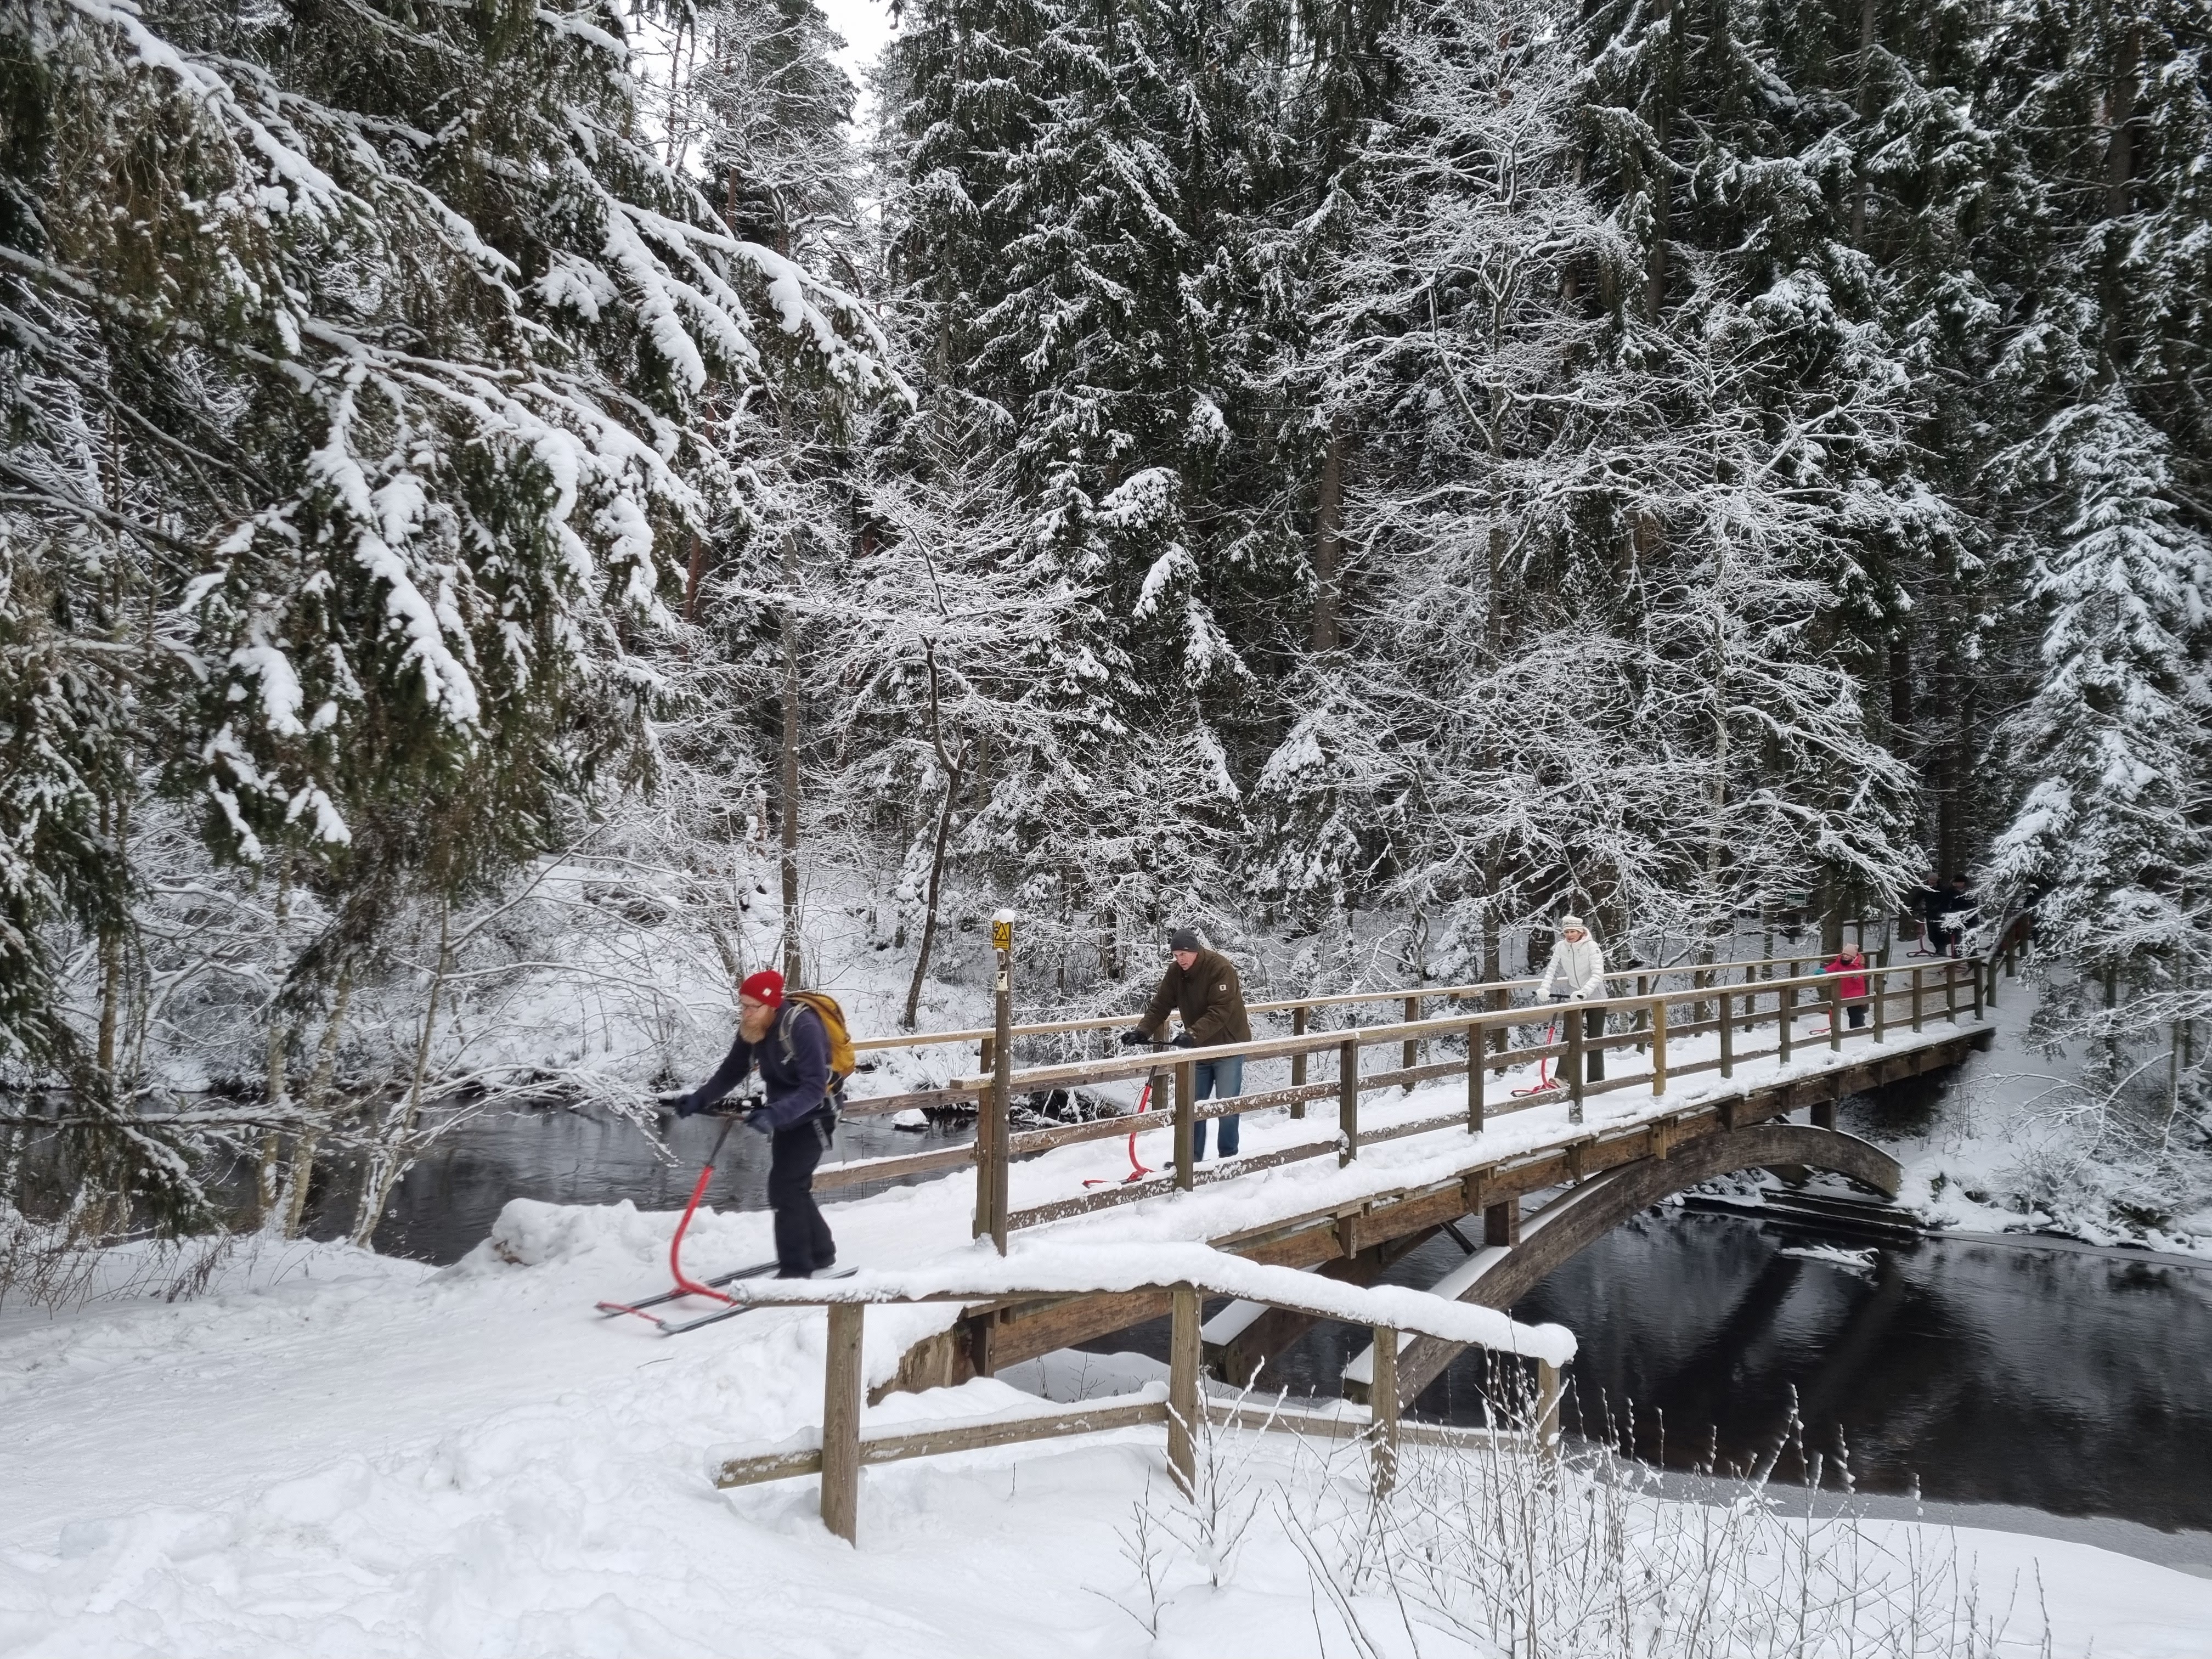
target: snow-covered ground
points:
(2012, 1145)
(331, 1452)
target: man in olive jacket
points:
(1202, 985)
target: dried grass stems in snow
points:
(1505, 1554)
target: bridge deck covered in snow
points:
(1345, 1172)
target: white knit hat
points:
(1566, 922)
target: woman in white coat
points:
(1576, 974)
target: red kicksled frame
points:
(685, 1285)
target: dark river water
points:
(2071, 1383)
(446, 1203)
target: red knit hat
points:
(766, 986)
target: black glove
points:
(1185, 1040)
(1135, 1038)
(759, 1121)
(685, 1106)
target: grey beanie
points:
(1184, 938)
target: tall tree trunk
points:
(2119, 170)
(695, 571)
(1329, 548)
(277, 1045)
(389, 1159)
(955, 768)
(1859, 185)
(2119, 149)
(112, 942)
(1662, 179)
(1493, 853)
(787, 812)
(316, 1109)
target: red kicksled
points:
(1137, 1171)
(685, 1285)
(1544, 1065)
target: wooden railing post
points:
(1347, 1102)
(1881, 985)
(1659, 1045)
(843, 1397)
(1477, 1064)
(1951, 988)
(994, 1127)
(1574, 1023)
(1835, 1012)
(1183, 1388)
(1989, 973)
(1298, 1061)
(1980, 974)
(1727, 1035)
(1916, 999)
(1547, 1426)
(1382, 1408)
(1412, 1053)
(1642, 1015)
(1785, 1015)
(1186, 1124)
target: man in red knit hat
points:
(787, 1039)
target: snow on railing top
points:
(1067, 1269)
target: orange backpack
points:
(832, 1016)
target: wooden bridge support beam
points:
(1385, 1409)
(1183, 1388)
(840, 1422)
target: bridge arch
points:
(1503, 1274)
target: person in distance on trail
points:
(1957, 910)
(1203, 986)
(1928, 905)
(786, 1037)
(1851, 962)
(1577, 970)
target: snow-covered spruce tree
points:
(1064, 230)
(389, 338)
(1617, 545)
(2100, 496)
(2112, 841)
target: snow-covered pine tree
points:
(1618, 543)
(1066, 181)
(2101, 494)
(385, 335)
(2112, 841)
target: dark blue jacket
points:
(794, 1064)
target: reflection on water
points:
(447, 1202)
(2073, 1383)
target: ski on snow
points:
(609, 1309)
(677, 1326)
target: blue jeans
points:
(1222, 1079)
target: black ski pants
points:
(802, 1236)
(1593, 1021)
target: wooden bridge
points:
(1704, 1064)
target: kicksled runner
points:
(688, 1287)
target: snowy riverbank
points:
(336, 1454)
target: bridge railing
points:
(844, 1449)
(1755, 994)
(1409, 1000)
(1909, 994)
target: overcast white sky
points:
(865, 24)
